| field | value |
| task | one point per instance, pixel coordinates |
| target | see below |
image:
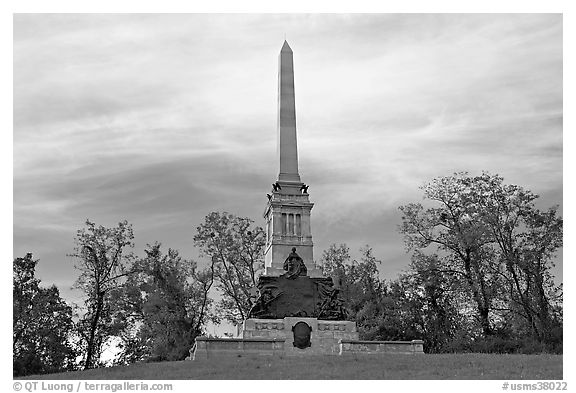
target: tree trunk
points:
(483, 309)
(542, 304)
(523, 300)
(90, 352)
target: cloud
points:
(161, 119)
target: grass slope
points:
(444, 366)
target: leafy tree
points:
(462, 242)
(526, 239)
(488, 238)
(432, 302)
(335, 262)
(417, 305)
(360, 286)
(42, 324)
(104, 259)
(235, 247)
(166, 304)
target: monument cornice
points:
(279, 204)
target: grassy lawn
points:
(445, 366)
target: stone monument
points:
(296, 301)
(298, 310)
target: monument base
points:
(276, 337)
(285, 336)
(324, 335)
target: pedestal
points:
(324, 335)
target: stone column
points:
(287, 145)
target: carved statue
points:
(276, 186)
(304, 188)
(294, 294)
(294, 266)
(269, 196)
(331, 307)
(261, 308)
(299, 296)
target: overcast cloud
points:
(161, 119)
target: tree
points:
(360, 286)
(431, 302)
(166, 304)
(235, 248)
(488, 237)
(417, 305)
(335, 262)
(461, 241)
(104, 259)
(42, 324)
(526, 239)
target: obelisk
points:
(287, 213)
(287, 143)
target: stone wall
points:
(329, 333)
(381, 347)
(205, 347)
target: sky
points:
(160, 119)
